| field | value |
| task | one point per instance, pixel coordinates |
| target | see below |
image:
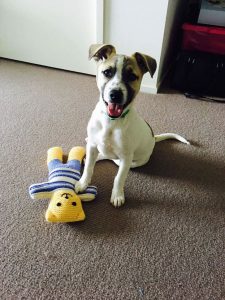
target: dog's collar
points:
(122, 116)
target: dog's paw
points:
(80, 186)
(117, 200)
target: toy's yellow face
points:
(64, 206)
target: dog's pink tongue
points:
(114, 110)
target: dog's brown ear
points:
(101, 51)
(146, 63)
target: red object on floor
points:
(203, 38)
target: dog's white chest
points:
(109, 143)
(109, 136)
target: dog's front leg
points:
(91, 157)
(118, 198)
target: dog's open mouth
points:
(114, 110)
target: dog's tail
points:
(167, 136)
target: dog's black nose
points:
(116, 96)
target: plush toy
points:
(65, 205)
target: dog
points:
(115, 130)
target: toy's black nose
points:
(66, 195)
(116, 96)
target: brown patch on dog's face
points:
(132, 77)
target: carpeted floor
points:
(167, 242)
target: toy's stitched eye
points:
(108, 73)
(74, 203)
(59, 204)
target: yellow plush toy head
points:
(65, 206)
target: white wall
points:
(53, 33)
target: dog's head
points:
(119, 76)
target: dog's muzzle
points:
(115, 105)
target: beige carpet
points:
(167, 242)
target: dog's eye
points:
(132, 77)
(108, 73)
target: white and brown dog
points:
(115, 130)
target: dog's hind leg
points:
(134, 164)
(138, 163)
(117, 162)
(101, 157)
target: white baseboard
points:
(149, 89)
